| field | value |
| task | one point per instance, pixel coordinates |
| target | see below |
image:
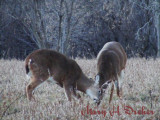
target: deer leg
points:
(76, 95)
(111, 95)
(117, 87)
(68, 90)
(121, 82)
(31, 86)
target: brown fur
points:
(111, 61)
(66, 72)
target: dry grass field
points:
(141, 95)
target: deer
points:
(111, 62)
(51, 66)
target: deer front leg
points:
(111, 95)
(120, 82)
(76, 95)
(117, 87)
(68, 90)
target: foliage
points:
(79, 28)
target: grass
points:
(141, 87)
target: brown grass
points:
(141, 88)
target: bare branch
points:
(138, 31)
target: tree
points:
(157, 24)
(79, 27)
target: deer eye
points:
(99, 91)
(95, 99)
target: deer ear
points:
(104, 86)
(97, 79)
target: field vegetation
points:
(141, 90)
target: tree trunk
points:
(158, 34)
(158, 29)
(59, 48)
(68, 30)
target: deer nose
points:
(96, 100)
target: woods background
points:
(79, 28)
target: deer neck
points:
(84, 83)
(103, 77)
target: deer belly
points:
(51, 80)
(29, 75)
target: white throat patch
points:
(97, 79)
(91, 94)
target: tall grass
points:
(141, 87)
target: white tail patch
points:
(29, 75)
(29, 63)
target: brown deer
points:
(110, 65)
(48, 65)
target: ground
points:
(141, 95)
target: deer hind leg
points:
(121, 82)
(111, 94)
(117, 87)
(31, 86)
